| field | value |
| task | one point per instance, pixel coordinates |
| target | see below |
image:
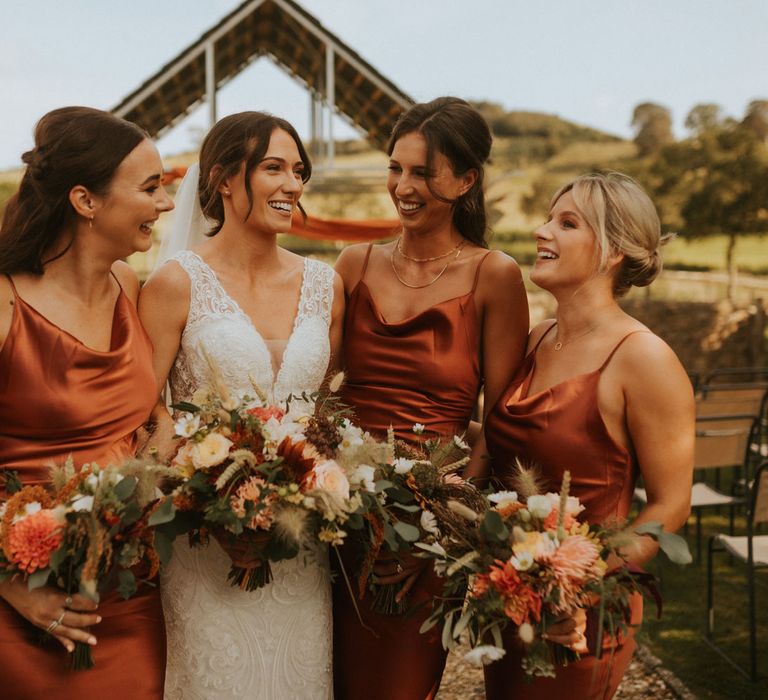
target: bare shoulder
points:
(168, 286)
(649, 366)
(537, 333)
(128, 279)
(350, 263)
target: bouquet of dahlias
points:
(86, 534)
(527, 563)
(261, 477)
(415, 494)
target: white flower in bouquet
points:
(460, 443)
(213, 450)
(403, 465)
(540, 506)
(187, 425)
(526, 633)
(275, 431)
(329, 476)
(484, 655)
(503, 498)
(419, 428)
(572, 507)
(110, 477)
(522, 561)
(82, 503)
(351, 435)
(428, 523)
(363, 477)
(29, 509)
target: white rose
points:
(484, 655)
(187, 425)
(211, 451)
(539, 506)
(402, 465)
(329, 476)
(428, 523)
(502, 498)
(362, 477)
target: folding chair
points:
(721, 442)
(752, 549)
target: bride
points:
(263, 314)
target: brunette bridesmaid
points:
(76, 379)
(426, 328)
(598, 395)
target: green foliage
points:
(653, 127)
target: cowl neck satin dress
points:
(58, 397)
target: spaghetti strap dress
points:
(559, 429)
(58, 398)
(425, 369)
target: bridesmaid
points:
(425, 329)
(76, 379)
(601, 396)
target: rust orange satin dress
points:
(59, 398)
(559, 429)
(425, 369)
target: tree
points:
(714, 183)
(703, 118)
(756, 119)
(653, 127)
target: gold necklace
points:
(431, 282)
(559, 344)
(399, 246)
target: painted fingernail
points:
(98, 618)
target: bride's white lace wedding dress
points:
(273, 643)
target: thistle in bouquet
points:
(529, 561)
(88, 533)
(417, 492)
(259, 477)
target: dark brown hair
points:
(234, 140)
(73, 146)
(454, 128)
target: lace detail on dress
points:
(224, 642)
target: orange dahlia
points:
(33, 539)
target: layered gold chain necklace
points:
(455, 251)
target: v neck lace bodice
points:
(217, 325)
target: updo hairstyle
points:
(73, 146)
(624, 220)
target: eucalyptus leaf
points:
(38, 579)
(408, 532)
(127, 584)
(493, 527)
(164, 514)
(447, 627)
(163, 547)
(406, 508)
(674, 546)
(125, 488)
(186, 407)
(382, 485)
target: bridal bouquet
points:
(527, 562)
(261, 478)
(417, 494)
(86, 534)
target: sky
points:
(589, 61)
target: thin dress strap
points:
(13, 286)
(617, 346)
(365, 262)
(543, 335)
(477, 271)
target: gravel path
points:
(643, 681)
